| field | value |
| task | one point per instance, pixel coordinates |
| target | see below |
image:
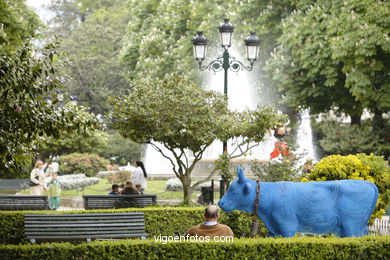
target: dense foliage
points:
(108, 144)
(283, 169)
(335, 55)
(119, 177)
(357, 167)
(91, 35)
(89, 164)
(314, 53)
(18, 23)
(120, 150)
(25, 116)
(88, 142)
(340, 138)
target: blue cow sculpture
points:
(340, 207)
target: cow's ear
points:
(247, 187)
(240, 174)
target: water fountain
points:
(241, 96)
(305, 138)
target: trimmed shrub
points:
(168, 221)
(264, 248)
(118, 177)
(174, 184)
(89, 164)
(76, 181)
(357, 167)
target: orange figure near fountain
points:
(280, 147)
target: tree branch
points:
(243, 152)
(167, 157)
(204, 180)
(185, 156)
(180, 164)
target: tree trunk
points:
(378, 122)
(355, 119)
(187, 190)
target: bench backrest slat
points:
(118, 201)
(84, 226)
(24, 202)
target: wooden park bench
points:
(24, 202)
(68, 227)
(118, 201)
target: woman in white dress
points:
(139, 176)
(37, 178)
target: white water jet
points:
(241, 96)
(305, 138)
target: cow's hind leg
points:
(288, 232)
(352, 229)
(270, 234)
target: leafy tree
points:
(343, 139)
(335, 55)
(154, 46)
(17, 24)
(25, 117)
(90, 50)
(87, 142)
(121, 150)
(285, 169)
(110, 145)
(186, 120)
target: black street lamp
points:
(226, 61)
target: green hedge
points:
(259, 248)
(168, 221)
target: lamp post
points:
(225, 61)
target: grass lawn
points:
(104, 187)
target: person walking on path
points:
(139, 176)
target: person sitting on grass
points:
(129, 188)
(211, 227)
(115, 190)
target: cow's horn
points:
(240, 174)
